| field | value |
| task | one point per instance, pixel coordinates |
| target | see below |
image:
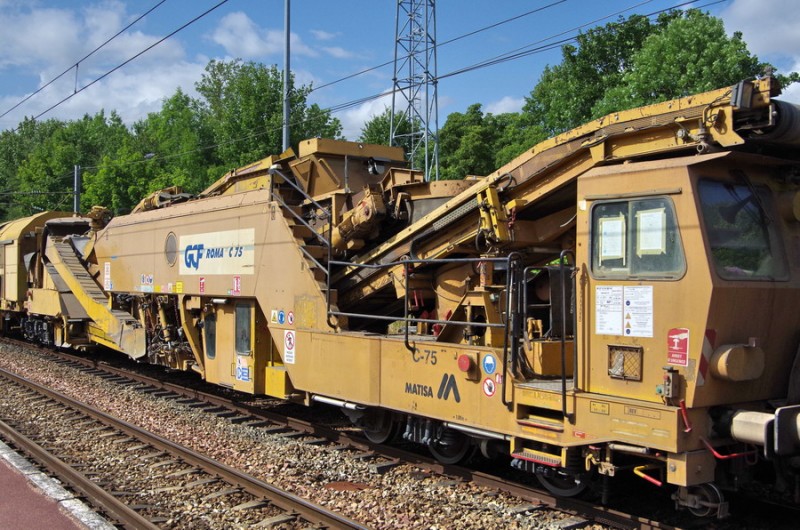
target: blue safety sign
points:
(489, 364)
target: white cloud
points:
(241, 37)
(506, 104)
(767, 28)
(323, 35)
(41, 35)
(337, 52)
(132, 93)
(44, 42)
(354, 119)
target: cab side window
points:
(210, 335)
(636, 239)
(243, 329)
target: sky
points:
(331, 40)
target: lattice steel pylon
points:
(415, 81)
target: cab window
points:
(243, 313)
(636, 239)
(741, 230)
(210, 335)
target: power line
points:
(517, 53)
(508, 56)
(529, 49)
(136, 56)
(75, 66)
(444, 43)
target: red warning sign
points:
(489, 387)
(678, 346)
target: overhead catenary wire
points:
(531, 48)
(130, 59)
(517, 53)
(443, 43)
(82, 59)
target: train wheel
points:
(709, 499)
(379, 427)
(451, 448)
(562, 484)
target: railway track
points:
(169, 472)
(381, 457)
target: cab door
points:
(218, 339)
(244, 346)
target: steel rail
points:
(306, 510)
(599, 514)
(97, 496)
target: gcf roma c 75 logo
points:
(191, 258)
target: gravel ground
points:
(402, 497)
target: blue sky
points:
(39, 39)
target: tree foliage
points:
(690, 54)
(565, 94)
(242, 104)
(477, 143)
(189, 143)
(237, 117)
(378, 130)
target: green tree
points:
(565, 94)
(690, 54)
(243, 104)
(44, 179)
(180, 141)
(377, 130)
(15, 147)
(474, 143)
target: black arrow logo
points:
(447, 385)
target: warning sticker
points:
(608, 310)
(274, 316)
(678, 346)
(288, 346)
(290, 318)
(242, 369)
(639, 311)
(489, 387)
(624, 310)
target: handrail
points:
(274, 170)
(511, 316)
(326, 214)
(405, 264)
(561, 260)
(298, 217)
(421, 320)
(419, 261)
(312, 258)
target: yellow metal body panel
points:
(690, 468)
(18, 238)
(242, 266)
(119, 330)
(314, 146)
(44, 302)
(221, 369)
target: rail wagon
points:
(621, 297)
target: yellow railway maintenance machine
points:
(620, 297)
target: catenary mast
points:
(414, 98)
